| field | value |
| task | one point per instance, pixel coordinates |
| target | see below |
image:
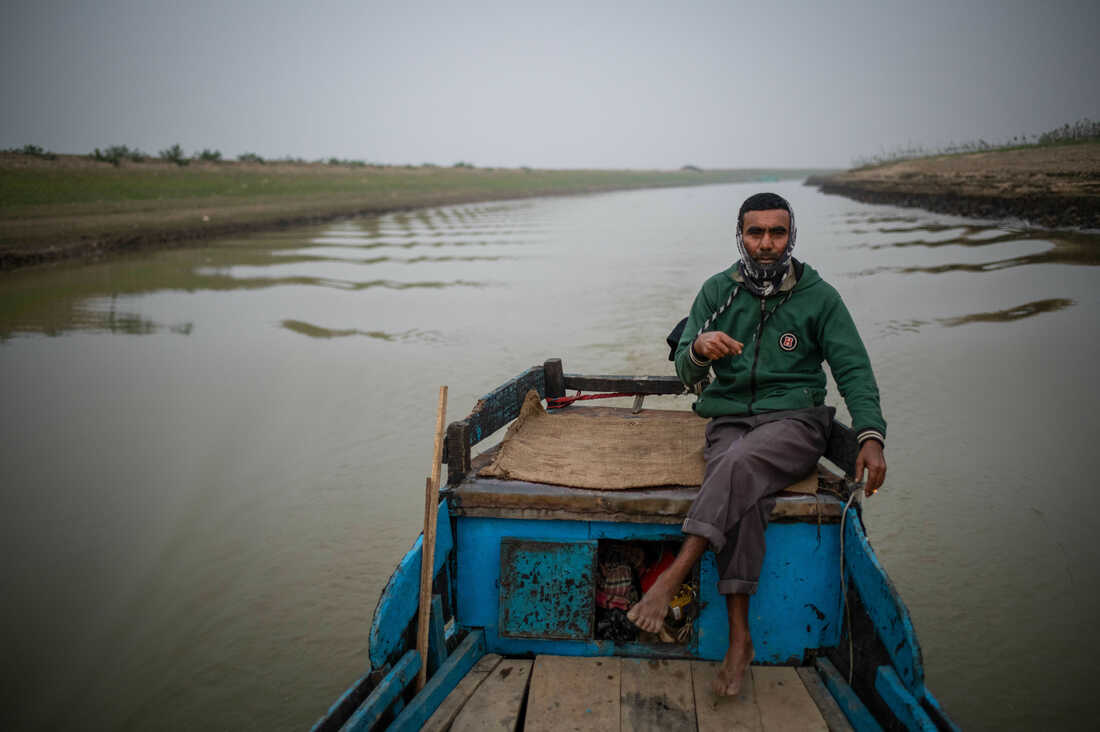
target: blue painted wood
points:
(857, 713)
(905, 707)
(387, 691)
(938, 715)
(442, 683)
(547, 589)
(437, 645)
(796, 608)
(343, 706)
(397, 605)
(884, 605)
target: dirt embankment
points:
(1056, 187)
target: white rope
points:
(714, 316)
(857, 496)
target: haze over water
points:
(211, 459)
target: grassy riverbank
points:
(75, 207)
(1056, 186)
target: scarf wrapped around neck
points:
(761, 279)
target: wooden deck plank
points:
(574, 693)
(497, 702)
(656, 696)
(445, 714)
(826, 704)
(785, 705)
(714, 713)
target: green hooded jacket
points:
(786, 337)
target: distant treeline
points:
(1085, 130)
(117, 154)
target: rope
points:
(856, 495)
(714, 316)
(565, 401)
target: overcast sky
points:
(549, 84)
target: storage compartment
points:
(624, 571)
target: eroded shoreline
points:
(1054, 187)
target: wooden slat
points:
(826, 704)
(445, 714)
(573, 693)
(785, 705)
(656, 696)
(388, 689)
(469, 651)
(714, 713)
(632, 384)
(850, 704)
(496, 704)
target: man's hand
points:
(716, 344)
(870, 458)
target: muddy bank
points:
(1054, 187)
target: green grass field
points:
(74, 207)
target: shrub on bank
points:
(34, 151)
(175, 155)
(210, 156)
(250, 158)
(115, 154)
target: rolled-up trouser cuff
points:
(709, 532)
(736, 587)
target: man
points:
(764, 326)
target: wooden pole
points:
(427, 550)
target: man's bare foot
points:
(731, 674)
(649, 612)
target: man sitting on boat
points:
(764, 326)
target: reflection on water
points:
(316, 331)
(203, 524)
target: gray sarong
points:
(749, 460)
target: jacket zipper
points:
(756, 356)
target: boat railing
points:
(502, 405)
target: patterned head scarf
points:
(764, 279)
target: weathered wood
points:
(445, 714)
(842, 448)
(656, 695)
(439, 687)
(826, 704)
(387, 691)
(555, 379)
(785, 705)
(458, 452)
(850, 704)
(437, 643)
(632, 384)
(884, 605)
(904, 706)
(718, 714)
(583, 691)
(520, 499)
(492, 411)
(397, 605)
(496, 704)
(431, 500)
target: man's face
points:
(765, 234)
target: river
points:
(212, 458)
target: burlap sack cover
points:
(605, 451)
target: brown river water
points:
(211, 459)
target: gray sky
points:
(550, 84)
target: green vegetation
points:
(33, 151)
(250, 158)
(75, 206)
(1085, 130)
(209, 156)
(175, 155)
(115, 154)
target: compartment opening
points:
(624, 571)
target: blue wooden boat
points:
(517, 640)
